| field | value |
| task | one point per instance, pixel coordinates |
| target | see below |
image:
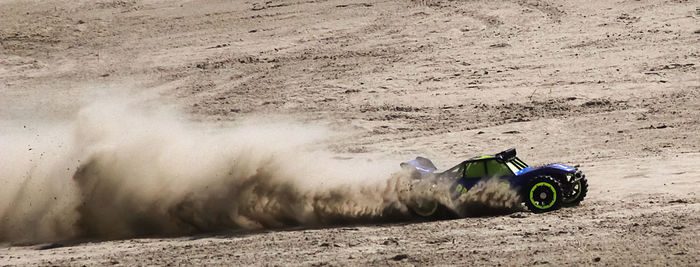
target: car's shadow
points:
(388, 219)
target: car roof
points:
(481, 158)
(505, 155)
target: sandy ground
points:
(610, 85)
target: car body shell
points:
(518, 174)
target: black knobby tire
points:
(436, 212)
(581, 188)
(423, 207)
(543, 194)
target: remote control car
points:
(543, 188)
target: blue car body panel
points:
(522, 176)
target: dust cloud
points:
(119, 170)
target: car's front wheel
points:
(543, 194)
(579, 189)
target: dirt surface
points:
(612, 86)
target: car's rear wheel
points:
(543, 194)
(424, 207)
(431, 210)
(578, 191)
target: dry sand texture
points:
(352, 86)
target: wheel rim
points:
(543, 195)
(576, 188)
(426, 208)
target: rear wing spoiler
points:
(421, 164)
(506, 155)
